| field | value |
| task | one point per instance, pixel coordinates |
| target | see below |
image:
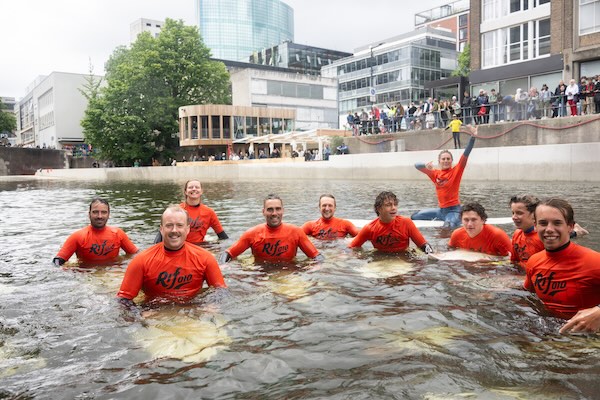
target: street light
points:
(372, 90)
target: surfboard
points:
(168, 334)
(359, 223)
(465, 255)
(290, 285)
(386, 268)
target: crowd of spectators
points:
(570, 99)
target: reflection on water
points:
(360, 325)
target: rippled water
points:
(344, 330)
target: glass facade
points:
(234, 29)
(396, 74)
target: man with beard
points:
(96, 242)
(329, 227)
(171, 270)
(273, 241)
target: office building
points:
(394, 70)
(50, 114)
(453, 17)
(297, 57)
(234, 29)
(144, 25)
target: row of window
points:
(516, 43)
(47, 120)
(46, 99)
(404, 96)
(494, 9)
(297, 90)
(589, 16)
(409, 55)
(242, 126)
(404, 76)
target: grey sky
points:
(42, 36)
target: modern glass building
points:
(234, 29)
(394, 70)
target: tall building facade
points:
(234, 29)
(394, 70)
(144, 25)
(297, 57)
(50, 114)
(453, 16)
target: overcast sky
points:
(42, 36)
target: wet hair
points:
(327, 195)
(175, 209)
(99, 200)
(474, 206)
(561, 205)
(381, 198)
(531, 202)
(445, 151)
(187, 183)
(272, 196)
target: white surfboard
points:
(465, 255)
(359, 223)
(386, 268)
(168, 334)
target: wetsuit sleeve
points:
(133, 279)
(69, 247)
(528, 284)
(361, 238)
(351, 229)
(213, 275)
(307, 227)
(222, 235)
(454, 238)
(503, 245)
(469, 147)
(423, 168)
(158, 238)
(215, 224)
(306, 245)
(415, 235)
(126, 243)
(240, 246)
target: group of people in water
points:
(565, 276)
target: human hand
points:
(429, 165)
(579, 230)
(587, 320)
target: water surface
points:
(340, 330)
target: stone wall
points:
(20, 161)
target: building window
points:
(589, 16)
(462, 34)
(463, 20)
(516, 43)
(494, 9)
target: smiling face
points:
(193, 192)
(99, 213)
(327, 207)
(445, 160)
(174, 228)
(552, 227)
(273, 212)
(473, 223)
(521, 216)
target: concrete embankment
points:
(558, 162)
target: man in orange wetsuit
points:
(476, 235)
(390, 232)
(329, 227)
(173, 269)
(273, 241)
(564, 276)
(447, 186)
(201, 217)
(525, 240)
(96, 242)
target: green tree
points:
(8, 122)
(135, 116)
(464, 62)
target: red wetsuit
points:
(178, 274)
(567, 280)
(274, 244)
(201, 218)
(491, 240)
(447, 182)
(96, 245)
(391, 237)
(330, 229)
(524, 245)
